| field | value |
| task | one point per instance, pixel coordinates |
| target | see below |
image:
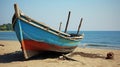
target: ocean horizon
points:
(92, 39)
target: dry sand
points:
(12, 56)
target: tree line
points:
(6, 27)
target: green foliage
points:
(6, 27)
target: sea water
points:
(8, 36)
(92, 39)
(100, 39)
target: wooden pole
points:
(67, 22)
(79, 26)
(17, 11)
(60, 26)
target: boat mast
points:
(79, 26)
(60, 26)
(67, 22)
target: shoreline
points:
(7, 31)
(94, 47)
(11, 56)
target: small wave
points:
(102, 46)
(97, 45)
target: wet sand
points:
(12, 56)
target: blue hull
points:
(30, 32)
(36, 36)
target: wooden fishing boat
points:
(36, 37)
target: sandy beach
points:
(12, 56)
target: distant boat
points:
(36, 37)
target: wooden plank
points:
(79, 26)
(17, 13)
(67, 22)
(60, 26)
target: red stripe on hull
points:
(38, 46)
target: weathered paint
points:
(42, 46)
(33, 33)
(34, 40)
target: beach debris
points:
(84, 45)
(2, 45)
(110, 55)
(64, 57)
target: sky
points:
(98, 15)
